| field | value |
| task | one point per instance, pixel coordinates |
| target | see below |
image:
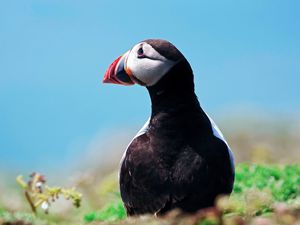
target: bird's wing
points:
(143, 183)
(197, 179)
(217, 133)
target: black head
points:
(165, 48)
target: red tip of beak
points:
(110, 74)
(116, 73)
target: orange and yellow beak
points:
(117, 73)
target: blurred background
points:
(57, 117)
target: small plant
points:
(40, 195)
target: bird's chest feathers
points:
(164, 146)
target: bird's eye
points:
(140, 53)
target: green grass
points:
(282, 181)
(257, 188)
(112, 212)
(26, 218)
(267, 192)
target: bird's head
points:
(145, 64)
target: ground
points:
(266, 190)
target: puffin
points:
(179, 159)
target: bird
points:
(179, 159)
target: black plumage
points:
(177, 162)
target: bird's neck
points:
(174, 93)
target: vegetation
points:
(258, 190)
(39, 195)
(263, 194)
(112, 212)
(266, 190)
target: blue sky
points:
(53, 55)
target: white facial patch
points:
(151, 68)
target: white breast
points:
(141, 132)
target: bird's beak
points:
(117, 73)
